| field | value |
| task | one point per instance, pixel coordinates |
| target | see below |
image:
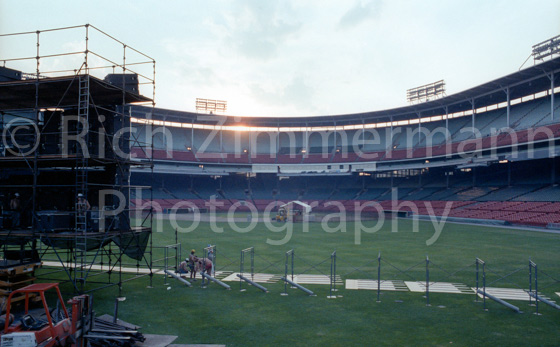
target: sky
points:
(304, 58)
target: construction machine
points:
(43, 326)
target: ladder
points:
(81, 167)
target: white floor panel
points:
(387, 285)
(510, 294)
(439, 287)
(257, 278)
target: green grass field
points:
(216, 316)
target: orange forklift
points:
(44, 327)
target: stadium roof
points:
(525, 82)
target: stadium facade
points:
(492, 151)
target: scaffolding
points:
(65, 99)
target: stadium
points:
(428, 224)
(490, 151)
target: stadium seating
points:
(527, 194)
(466, 143)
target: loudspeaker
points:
(9, 74)
(128, 82)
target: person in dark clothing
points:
(15, 207)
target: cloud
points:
(197, 67)
(299, 93)
(359, 13)
(257, 29)
(296, 95)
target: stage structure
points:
(65, 156)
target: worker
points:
(211, 255)
(82, 204)
(204, 265)
(184, 266)
(15, 207)
(192, 260)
